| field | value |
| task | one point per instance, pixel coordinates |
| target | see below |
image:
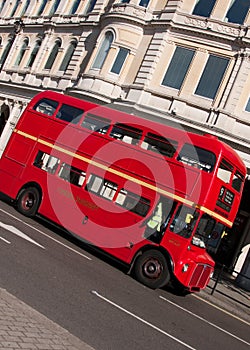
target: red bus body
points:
(103, 173)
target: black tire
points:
(151, 269)
(28, 201)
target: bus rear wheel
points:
(151, 269)
(28, 201)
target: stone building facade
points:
(184, 61)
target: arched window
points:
(68, 56)
(53, 54)
(34, 53)
(22, 52)
(6, 52)
(90, 6)
(2, 4)
(42, 7)
(103, 50)
(25, 8)
(54, 6)
(74, 7)
(14, 8)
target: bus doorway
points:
(4, 116)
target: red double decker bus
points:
(150, 195)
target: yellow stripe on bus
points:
(125, 176)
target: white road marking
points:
(222, 310)
(44, 234)
(19, 233)
(204, 320)
(5, 240)
(142, 320)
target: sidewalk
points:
(229, 297)
(21, 327)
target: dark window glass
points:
(46, 106)
(197, 157)
(126, 133)
(71, 174)
(238, 181)
(69, 114)
(96, 123)
(212, 76)
(133, 202)
(178, 67)
(120, 60)
(159, 144)
(248, 106)
(204, 8)
(46, 162)
(101, 187)
(184, 221)
(238, 11)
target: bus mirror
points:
(189, 218)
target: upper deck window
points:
(225, 171)
(46, 106)
(96, 123)
(197, 157)
(126, 133)
(238, 180)
(159, 144)
(70, 114)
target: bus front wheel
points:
(28, 201)
(151, 269)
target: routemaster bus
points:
(148, 194)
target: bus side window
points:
(238, 180)
(46, 162)
(69, 114)
(71, 174)
(133, 202)
(197, 157)
(46, 106)
(96, 123)
(159, 144)
(101, 187)
(126, 133)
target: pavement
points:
(22, 327)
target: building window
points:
(238, 11)
(204, 8)
(25, 8)
(178, 67)
(68, 56)
(103, 50)
(53, 54)
(34, 53)
(144, 3)
(21, 52)
(14, 8)
(5, 52)
(2, 4)
(90, 6)
(42, 7)
(212, 76)
(74, 7)
(247, 109)
(54, 7)
(120, 60)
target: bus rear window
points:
(46, 106)
(159, 144)
(225, 171)
(69, 114)
(197, 157)
(126, 133)
(238, 180)
(96, 123)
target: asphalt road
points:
(94, 299)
